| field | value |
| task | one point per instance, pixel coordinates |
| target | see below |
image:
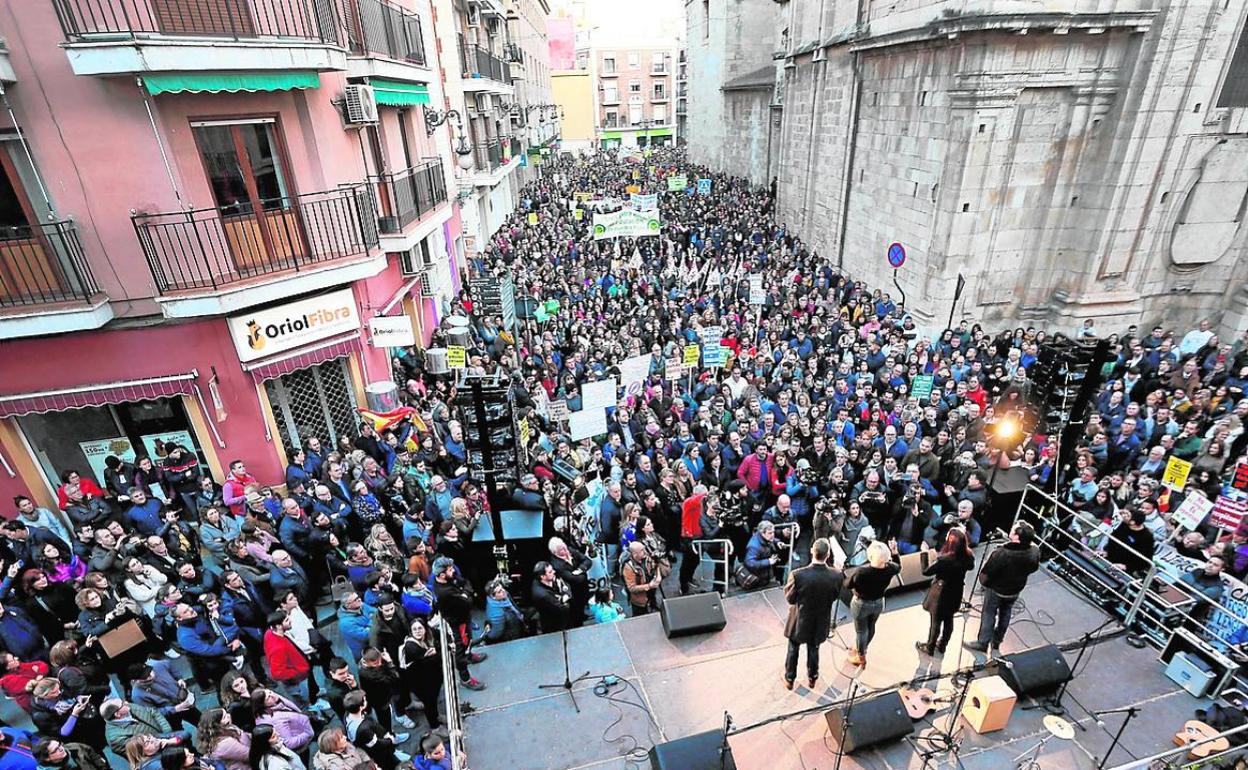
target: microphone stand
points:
(1131, 712)
(724, 750)
(967, 606)
(836, 611)
(849, 707)
(568, 682)
(1054, 705)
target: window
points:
(634, 114)
(660, 113)
(612, 119)
(1234, 91)
(610, 94)
(634, 86)
(660, 92)
(608, 64)
(658, 63)
(634, 60)
(244, 166)
(706, 14)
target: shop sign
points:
(391, 331)
(260, 333)
(100, 448)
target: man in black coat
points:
(1003, 576)
(813, 591)
(572, 567)
(551, 597)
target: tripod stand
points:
(568, 682)
(1054, 705)
(947, 740)
(1131, 712)
(849, 708)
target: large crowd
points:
(175, 620)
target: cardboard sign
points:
(578, 215)
(1176, 474)
(524, 431)
(633, 373)
(598, 395)
(676, 183)
(757, 295)
(533, 218)
(921, 386)
(674, 369)
(704, 187)
(587, 423)
(692, 352)
(580, 197)
(1192, 512)
(558, 410)
(456, 357)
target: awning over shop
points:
(302, 358)
(394, 93)
(229, 82)
(98, 395)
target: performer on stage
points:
(1004, 576)
(869, 583)
(944, 597)
(812, 591)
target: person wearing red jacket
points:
(71, 478)
(16, 676)
(690, 530)
(234, 490)
(288, 667)
(758, 471)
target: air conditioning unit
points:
(474, 16)
(410, 263)
(361, 104)
(426, 284)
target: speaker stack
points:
(872, 721)
(1035, 672)
(696, 614)
(704, 751)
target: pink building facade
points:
(217, 224)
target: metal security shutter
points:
(317, 401)
(1235, 88)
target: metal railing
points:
(95, 20)
(1183, 757)
(478, 62)
(1149, 596)
(706, 550)
(489, 155)
(380, 27)
(406, 196)
(42, 264)
(214, 247)
(450, 687)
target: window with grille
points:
(318, 401)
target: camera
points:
(808, 476)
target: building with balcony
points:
(203, 207)
(635, 88)
(534, 115)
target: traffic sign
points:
(896, 255)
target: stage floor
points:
(688, 683)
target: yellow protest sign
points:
(1176, 473)
(533, 218)
(578, 214)
(691, 355)
(582, 196)
(636, 174)
(633, 188)
(524, 431)
(456, 357)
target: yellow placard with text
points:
(578, 214)
(1176, 474)
(581, 197)
(691, 355)
(456, 357)
(533, 218)
(633, 188)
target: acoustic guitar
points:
(1194, 732)
(920, 702)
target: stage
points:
(688, 683)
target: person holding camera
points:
(911, 518)
(764, 558)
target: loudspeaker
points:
(697, 752)
(882, 719)
(911, 574)
(1041, 670)
(696, 614)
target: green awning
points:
(231, 82)
(656, 132)
(394, 93)
(610, 135)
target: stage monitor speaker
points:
(697, 752)
(1041, 670)
(911, 575)
(696, 614)
(882, 719)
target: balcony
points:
(386, 41)
(483, 71)
(608, 99)
(406, 196)
(658, 96)
(216, 260)
(489, 155)
(119, 37)
(7, 75)
(46, 284)
(517, 147)
(659, 70)
(681, 108)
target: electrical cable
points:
(634, 753)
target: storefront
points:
(78, 428)
(303, 359)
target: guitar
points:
(920, 702)
(1193, 732)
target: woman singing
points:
(944, 597)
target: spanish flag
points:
(385, 420)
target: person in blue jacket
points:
(17, 749)
(144, 513)
(354, 619)
(20, 635)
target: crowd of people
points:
(175, 620)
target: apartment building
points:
(219, 219)
(535, 118)
(635, 95)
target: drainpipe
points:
(847, 171)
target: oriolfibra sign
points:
(262, 333)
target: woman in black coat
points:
(944, 597)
